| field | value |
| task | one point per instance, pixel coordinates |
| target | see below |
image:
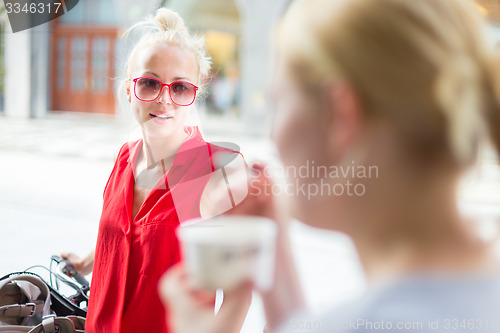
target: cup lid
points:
(224, 229)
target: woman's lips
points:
(160, 116)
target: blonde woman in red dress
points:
(169, 176)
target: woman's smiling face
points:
(166, 63)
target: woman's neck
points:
(156, 149)
(414, 226)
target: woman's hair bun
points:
(167, 27)
(169, 20)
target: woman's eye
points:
(179, 88)
(150, 83)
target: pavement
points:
(95, 137)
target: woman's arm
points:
(285, 297)
(283, 300)
(226, 188)
(82, 266)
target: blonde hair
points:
(168, 28)
(421, 64)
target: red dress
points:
(131, 255)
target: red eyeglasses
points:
(148, 89)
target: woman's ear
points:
(345, 118)
(127, 89)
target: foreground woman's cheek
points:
(286, 129)
(296, 138)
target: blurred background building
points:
(74, 63)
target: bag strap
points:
(78, 322)
(19, 310)
(15, 329)
(33, 306)
(53, 324)
(49, 324)
(69, 324)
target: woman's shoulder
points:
(225, 153)
(227, 147)
(127, 149)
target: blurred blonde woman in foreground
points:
(407, 86)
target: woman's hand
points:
(237, 189)
(259, 201)
(192, 311)
(285, 297)
(82, 266)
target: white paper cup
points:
(224, 251)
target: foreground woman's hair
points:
(431, 76)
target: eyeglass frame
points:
(161, 90)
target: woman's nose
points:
(164, 96)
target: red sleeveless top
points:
(132, 254)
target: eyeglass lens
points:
(181, 93)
